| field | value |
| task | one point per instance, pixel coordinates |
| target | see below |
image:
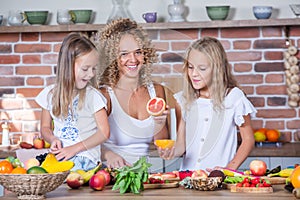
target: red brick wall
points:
(28, 60)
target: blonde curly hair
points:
(107, 42)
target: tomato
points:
(255, 181)
(5, 167)
(295, 177)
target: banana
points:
(283, 173)
(88, 174)
(80, 171)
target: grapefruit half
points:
(156, 106)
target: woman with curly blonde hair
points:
(124, 78)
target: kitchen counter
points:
(63, 192)
(286, 150)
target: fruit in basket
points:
(36, 170)
(41, 157)
(74, 180)
(199, 174)
(106, 176)
(156, 106)
(273, 135)
(295, 177)
(97, 182)
(52, 165)
(258, 167)
(31, 162)
(5, 167)
(19, 170)
(38, 143)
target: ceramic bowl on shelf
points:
(81, 16)
(36, 17)
(217, 12)
(262, 12)
(296, 9)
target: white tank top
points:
(129, 137)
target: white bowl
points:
(262, 12)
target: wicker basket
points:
(206, 184)
(32, 186)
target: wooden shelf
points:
(155, 26)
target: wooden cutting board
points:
(275, 180)
(163, 185)
(251, 189)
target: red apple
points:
(258, 167)
(97, 182)
(38, 143)
(199, 174)
(74, 180)
(106, 176)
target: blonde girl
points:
(75, 107)
(212, 106)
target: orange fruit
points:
(262, 130)
(164, 143)
(295, 177)
(273, 135)
(5, 167)
(19, 170)
(156, 106)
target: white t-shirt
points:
(198, 120)
(82, 125)
(129, 137)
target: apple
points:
(106, 176)
(97, 182)
(258, 167)
(74, 180)
(199, 174)
(38, 143)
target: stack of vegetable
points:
(131, 178)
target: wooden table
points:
(85, 193)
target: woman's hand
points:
(115, 160)
(215, 168)
(167, 153)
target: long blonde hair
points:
(73, 46)
(222, 78)
(107, 42)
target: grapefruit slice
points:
(164, 143)
(156, 106)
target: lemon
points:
(259, 136)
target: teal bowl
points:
(36, 17)
(81, 16)
(217, 12)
